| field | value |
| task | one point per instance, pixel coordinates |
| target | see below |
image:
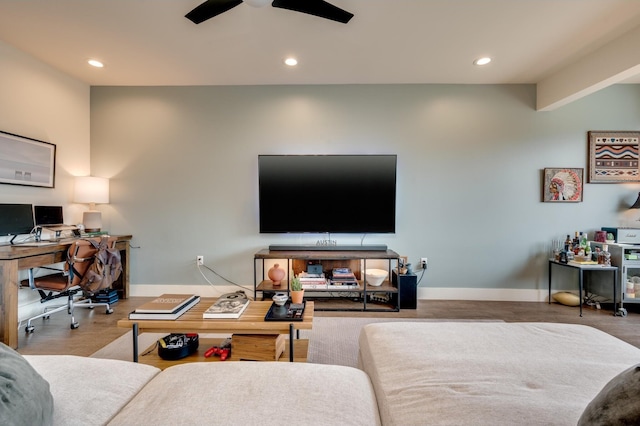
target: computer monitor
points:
(16, 219)
(48, 215)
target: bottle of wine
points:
(583, 241)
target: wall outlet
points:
(199, 260)
(423, 262)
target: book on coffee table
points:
(165, 304)
(175, 314)
(230, 305)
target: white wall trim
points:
(488, 294)
(494, 294)
(154, 290)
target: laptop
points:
(51, 218)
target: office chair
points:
(66, 283)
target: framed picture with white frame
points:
(26, 161)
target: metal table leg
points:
(580, 288)
(290, 342)
(550, 266)
(135, 342)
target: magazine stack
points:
(343, 278)
(313, 281)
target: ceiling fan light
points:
(257, 3)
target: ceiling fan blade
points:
(209, 9)
(315, 7)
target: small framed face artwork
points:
(562, 185)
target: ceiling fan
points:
(321, 8)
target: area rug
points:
(333, 340)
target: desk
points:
(581, 269)
(13, 258)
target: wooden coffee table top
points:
(250, 322)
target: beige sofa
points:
(460, 373)
(91, 391)
(412, 373)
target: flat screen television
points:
(327, 193)
(16, 219)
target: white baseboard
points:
(154, 290)
(495, 294)
(486, 294)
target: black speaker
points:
(407, 289)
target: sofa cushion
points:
(90, 391)
(25, 398)
(254, 393)
(617, 403)
(465, 373)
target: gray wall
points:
(183, 169)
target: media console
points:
(383, 298)
(315, 247)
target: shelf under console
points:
(365, 297)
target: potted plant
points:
(610, 238)
(297, 292)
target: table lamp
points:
(91, 190)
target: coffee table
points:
(251, 322)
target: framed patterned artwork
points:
(562, 185)
(613, 156)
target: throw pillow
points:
(25, 398)
(566, 298)
(617, 403)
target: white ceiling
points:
(568, 47)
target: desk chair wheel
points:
(622, 312)
(109, 311)
(29, 329)
(74, 325)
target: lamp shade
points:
(91, 190)
(636, 205)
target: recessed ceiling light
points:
(95, 63)
(292, 62)
(482, 61)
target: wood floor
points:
(54, 336)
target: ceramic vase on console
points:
(276, 274)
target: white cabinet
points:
(627, 258)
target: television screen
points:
(327, 193)
(16, 219)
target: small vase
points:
(276, 274)
(297, 296)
